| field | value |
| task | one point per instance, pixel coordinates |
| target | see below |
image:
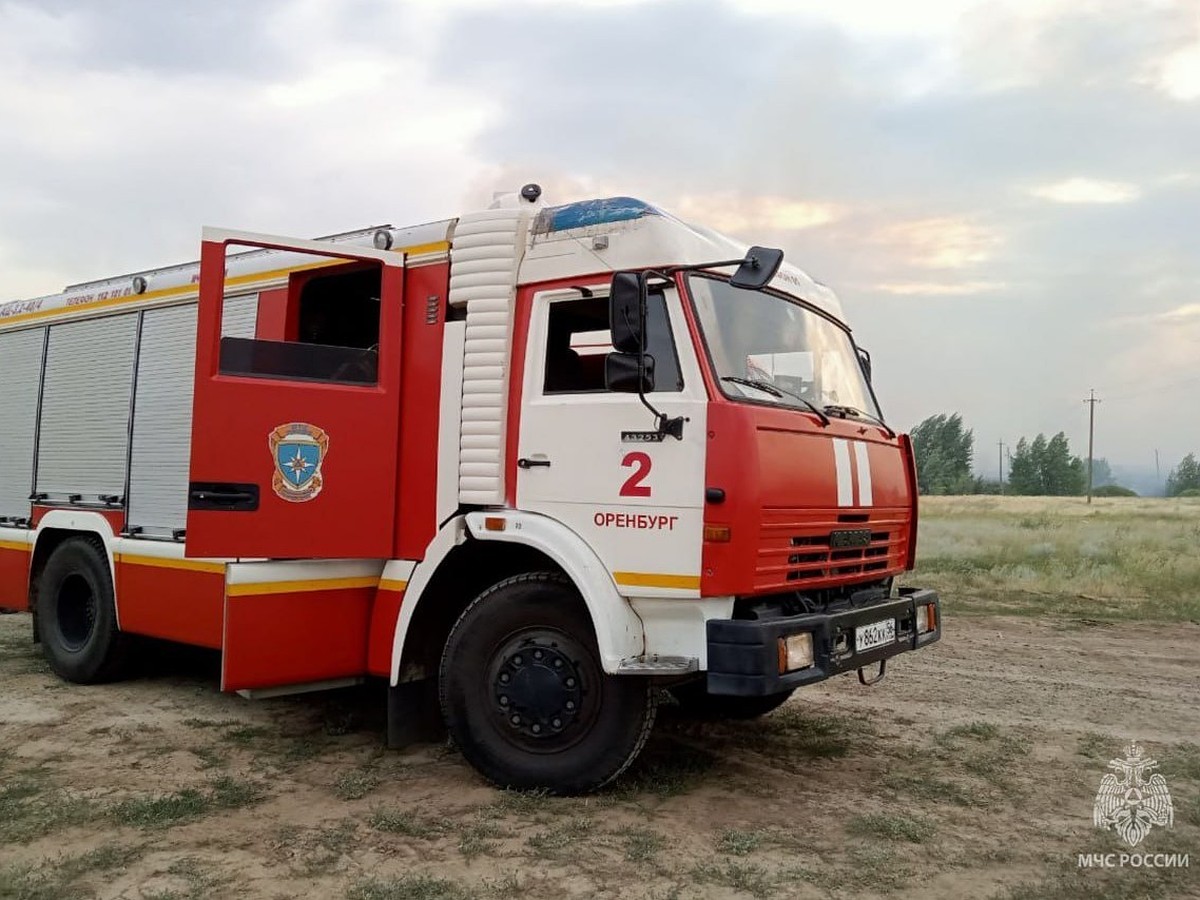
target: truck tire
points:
(77, 614)
(525, 697)
(696, 702)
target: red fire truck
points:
(533, 465)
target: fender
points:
(618, 629)
(448, 537)
(81, 522)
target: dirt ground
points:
(969, 772)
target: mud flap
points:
(414, 714)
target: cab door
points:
(587, 457)
(294, 442)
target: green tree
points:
(1184, 477)
(1059, 474)
(1046, 468)
(944, 450)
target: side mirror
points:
(627, 374)
(864, 360)
(626, 303)
(757, 269)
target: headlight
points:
(795, 652)
(926, 618)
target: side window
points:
(334, 336)
(578, 338)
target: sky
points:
(1006, 195)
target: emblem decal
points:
(1132, 801)
(297, 449)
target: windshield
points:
(795, 353)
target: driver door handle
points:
(525, 463)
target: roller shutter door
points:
(20, 377)
(162, 420)
(162, 417)
(85, 408)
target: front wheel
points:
(525, 697)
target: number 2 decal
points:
(640, 462)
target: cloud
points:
(1087, 190)
(1188, 313)
(941, 289)
(735, 214)
(938, 163)
(1180, 73)
(939, 243)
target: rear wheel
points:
(695, 701)
(525, 697)
(77, 615)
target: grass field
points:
(1119, 558)
(970, 771)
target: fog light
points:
(926, 618)
(795, 652)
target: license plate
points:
(877, 634)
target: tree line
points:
(945, 452)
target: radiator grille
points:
(796, 549)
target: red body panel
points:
(233, 417)
(14, 577)
(174, 604)
(275, 322)
(425, 290)
(384, 614)
(516, 381)
(294, 638)
(777, 470)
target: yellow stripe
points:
(14, 545)
(160, 562)
(653, 579)
(392, 584)
(181, 291)
(416, 249)
(184, 290)
(296, 587)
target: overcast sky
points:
(1005, 195)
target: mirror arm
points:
(665, 425)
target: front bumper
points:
(743, 655)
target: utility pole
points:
(1157, 467)
(1091, 401)
(1000, 454)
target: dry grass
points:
(969, 772)
(1120, 558)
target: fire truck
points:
(539, 467)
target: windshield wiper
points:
(765, 386)
(850, 411)
(776, 391)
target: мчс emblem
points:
(297, 449)
(1132, 801)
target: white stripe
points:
(841, 462)
(865, 497)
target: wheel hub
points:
(538, 690)
(76, 612)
